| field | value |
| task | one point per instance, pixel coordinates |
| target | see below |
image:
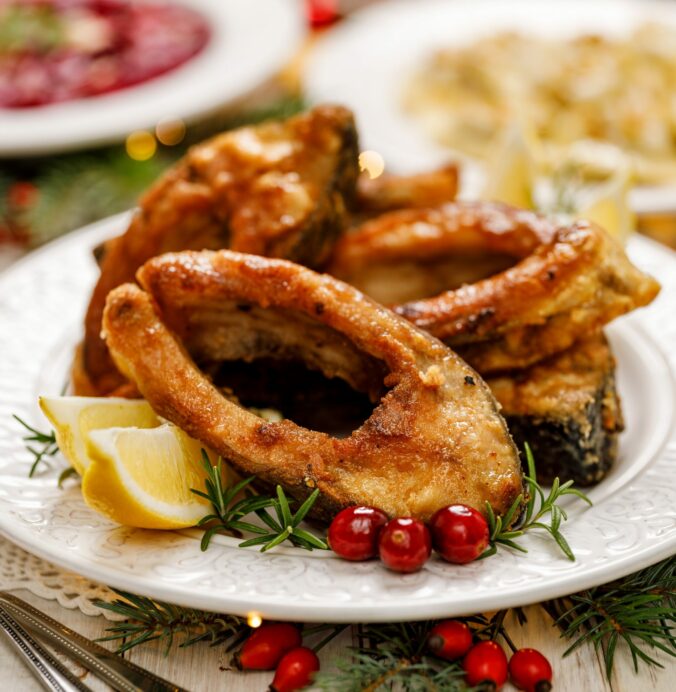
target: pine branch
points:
(391, 654)
(537, 508)
(147, 620)
(638, 611)
(396, 653)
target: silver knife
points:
(120, 674)
(49, 671)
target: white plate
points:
(365, 62)
(632, 523)
(250, 41)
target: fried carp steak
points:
(567, 409)
(545, 285)
(280, 189)
(435, 436)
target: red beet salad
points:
(59, 50)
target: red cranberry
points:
(266, 645)
(354, 531)
(405, 544)
(530, 671)
(459, 533)
(450, 639)
(485, 663)
(296, 670)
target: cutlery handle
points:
(50, 672)
(120, 674)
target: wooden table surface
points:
(204, 669)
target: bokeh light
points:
(371, 162)
(141, 145)
(170, 131)
(254, 620)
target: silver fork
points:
(49, 671)
(120, 674)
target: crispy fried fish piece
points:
(389, 192)
(279, 189)
(434, 438)
(555, 283)
(568, 410)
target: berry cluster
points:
(279, 646)
(457, 532)
(485, 663)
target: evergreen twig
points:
(538, 506)
(147, 620)
(639, 610)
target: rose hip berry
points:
(354, 532)
(296, 670)
(404, 544)
(529, 670)
(264, 648)
(449, 639)
(485, 663)
(459, 533)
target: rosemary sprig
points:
(285, 525)
(67, 473)
(147, 620)
(639, 610)
(538, 506)
(227, 513)
(47, 440)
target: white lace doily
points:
(21, 570)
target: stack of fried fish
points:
(438, 327)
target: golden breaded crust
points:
(566, 283)
(434, 438)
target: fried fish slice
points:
(568, 410)
(279, 189)
(554, 283)
(389, 192)
(435, 436)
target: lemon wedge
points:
(511, 172)
(142, 477)
(74, 417)
(609, 207)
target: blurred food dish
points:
(60, 50)
(617, 90)
(78, 73)
(436, 81)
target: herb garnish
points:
(532, 517)
(227, 513)
(47, 440)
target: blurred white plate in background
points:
(250, 41)
(365, 62)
